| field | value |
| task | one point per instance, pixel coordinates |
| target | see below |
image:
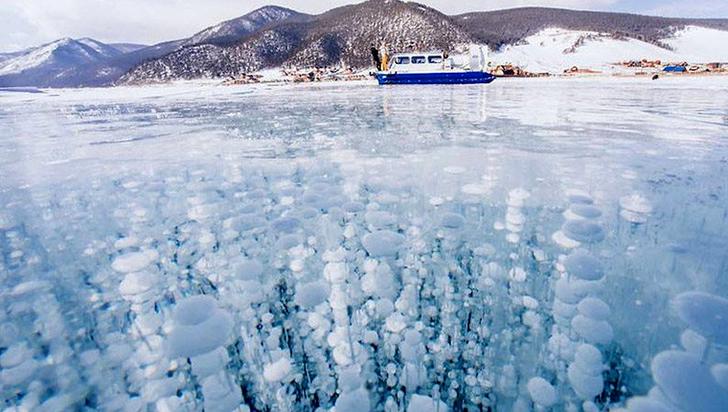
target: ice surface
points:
(376, 249)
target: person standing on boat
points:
(384, 55)
(375, 56)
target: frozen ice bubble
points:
(288, 241)
(720, 374)
(687, 382)
(583, 231)
(18, 374)
(353, 207)
(704, 313)
(60, 402)
(311, 294)
(633, 217)
(589, 359)
(134, 261)
(585, 385)
(220, 394)
(353, 401)
(593, 331)
(199, 327)
(645, 404)
(564, 310)
(7, 221)
(278, 370)
(396, 322)
(584, 211)
(517, 197)
(249, 269)
(634, 208)
(136, 283)
(452, 221)
(583, 265)
(286, 225)
(515, 220)
(308, 213)
(351, 378)
(380, 219)
(382, 243)
(15, 355)
(635, 203)
(194, 310)
(475, 189)
(454, 170)
(209, 363)
(693, 342)
(336, 272)
(594, 308)
(160, 388)
(560, 238)
(126, 242)
(579, 196)
(541, 391)
(31, 286)
(569, 291)
(422, 403)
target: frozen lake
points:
(527, 245)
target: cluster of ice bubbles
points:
(292, 289)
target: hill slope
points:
(554, 50)
(503, 27)
(107, 63)
(231, 31)
(44, 65)
(343, 35)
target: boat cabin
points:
(418, 62)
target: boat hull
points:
(454, 77)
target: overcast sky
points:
(27, 23)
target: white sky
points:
(28, 23)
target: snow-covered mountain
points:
(235, 29)
(342, 35)
(554, 49)
(537, 38)
(44, 65)
(87, 62)
(8, 56)
(128, 47)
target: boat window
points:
(418, 59)
(402, 60)
(434, 59)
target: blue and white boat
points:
(434, 68)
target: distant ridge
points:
(503, 27)
(274, 36)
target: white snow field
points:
(554, 50)
(529, 245)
